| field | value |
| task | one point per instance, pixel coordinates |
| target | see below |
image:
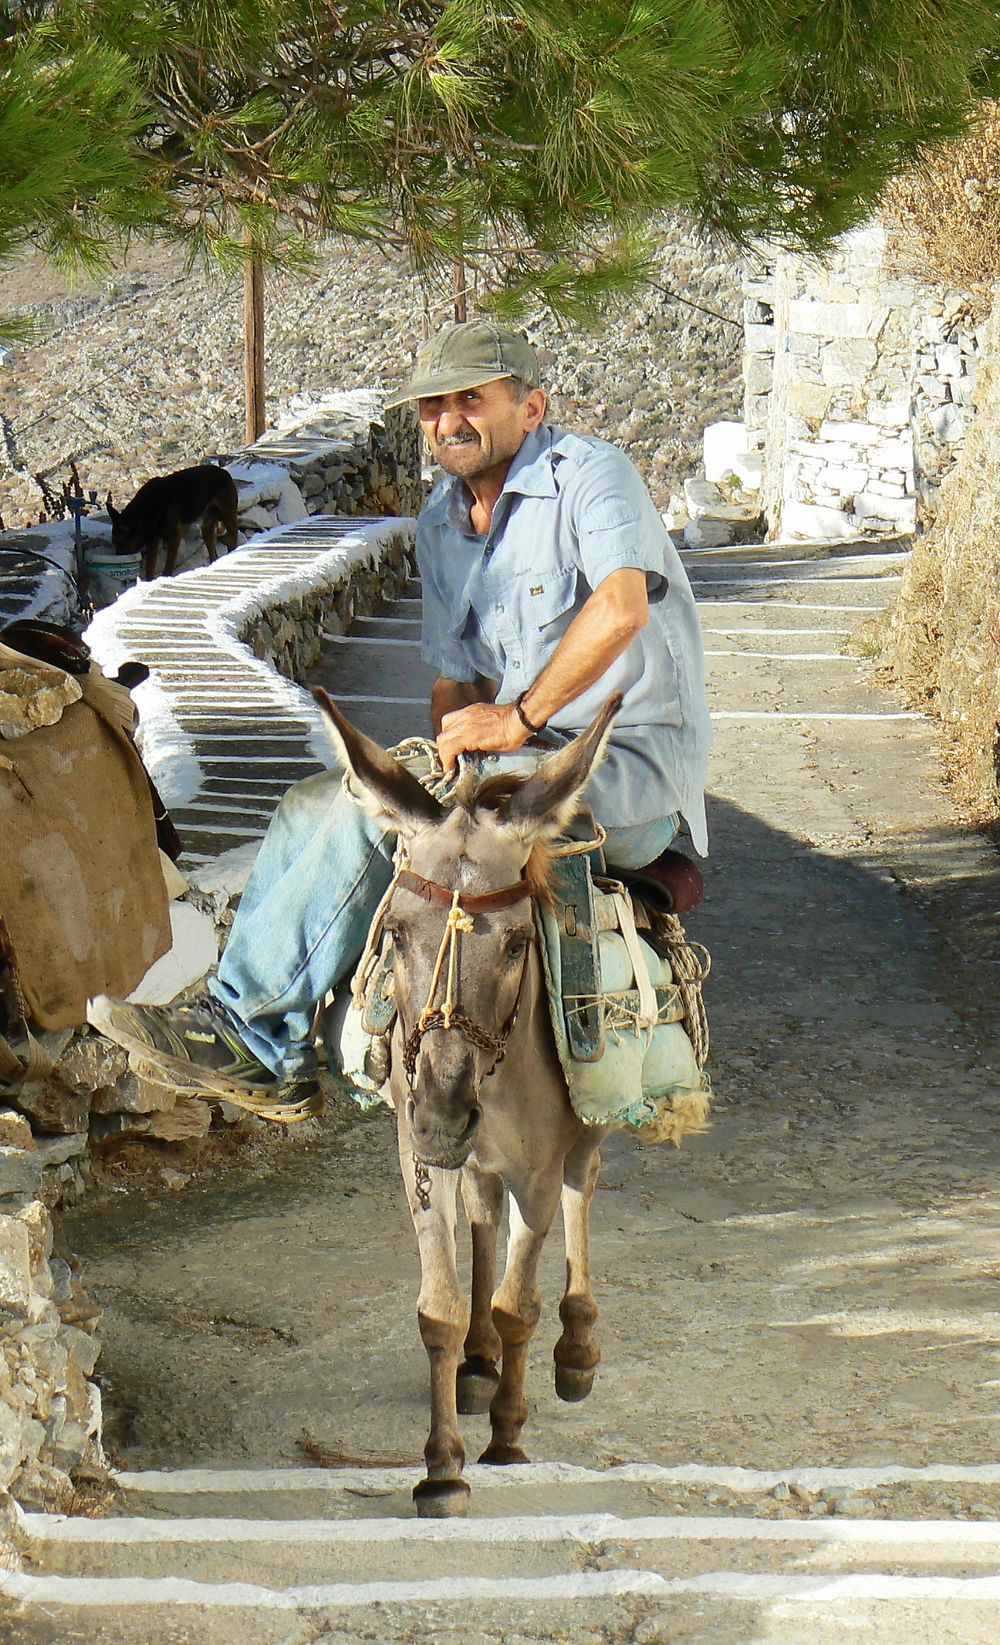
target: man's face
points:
(478, 430)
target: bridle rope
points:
(447, 1016)
(460, 911)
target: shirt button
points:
(498, 608)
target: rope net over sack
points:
(691, 964)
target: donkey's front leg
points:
(482, 1195)
(443, 1315)
(576, 1354)
(516, 1307)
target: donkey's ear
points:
(546, 802)
(112, 512)
(382, 787)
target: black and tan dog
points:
(162, 508)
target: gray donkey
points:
(479, 1095)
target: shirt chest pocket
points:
(547, 596)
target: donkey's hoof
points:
(441, 1498)
(502, 1456)
(573, 1385)
(475, 1386)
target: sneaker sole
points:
(184, 1075)
(281, 1104)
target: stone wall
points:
(50, 1412)
(341, 454)
(857, 380)
(289, 635)
(337, 455)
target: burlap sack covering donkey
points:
(83, 904)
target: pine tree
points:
(532, 144)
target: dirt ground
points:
(813, 1281)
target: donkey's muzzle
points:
(439, 1143)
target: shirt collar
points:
(531, 471)
(530, 475)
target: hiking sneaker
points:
(198, 1043)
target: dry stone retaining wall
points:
(341, 455)
(857, 382)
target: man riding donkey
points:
(549, 583)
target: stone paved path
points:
(792, 1440)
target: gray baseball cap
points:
(463, 356)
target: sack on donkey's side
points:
(647, 1079)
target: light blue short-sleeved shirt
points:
(573, 510)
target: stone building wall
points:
(857, 380)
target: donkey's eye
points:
(517, 945)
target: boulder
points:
(90, 1062)
(51, 1105)
(948, 422)
(258, 518)
(189, 1117)
(706, 502)
(132, 1095)
(15, 1267)
(810, 522)
(291, 505)
(15, 1132)
(709, 534)
(20, 1174)
(728, 456)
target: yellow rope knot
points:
(458, 920)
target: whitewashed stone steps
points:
(211, 707)
(275, 1555)
(550, 1550)
(854, 549)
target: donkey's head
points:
(460, 962)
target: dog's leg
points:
(230, 510)
(210, 524)
(149, 559)
(173, 531)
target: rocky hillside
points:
(143, 373)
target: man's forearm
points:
(596, 638)
(449, 695)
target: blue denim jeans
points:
(322, 869)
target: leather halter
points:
(485, 903)
(459, 908)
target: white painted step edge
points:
(514, 1529)
(126, 1593)
(191, 1480)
